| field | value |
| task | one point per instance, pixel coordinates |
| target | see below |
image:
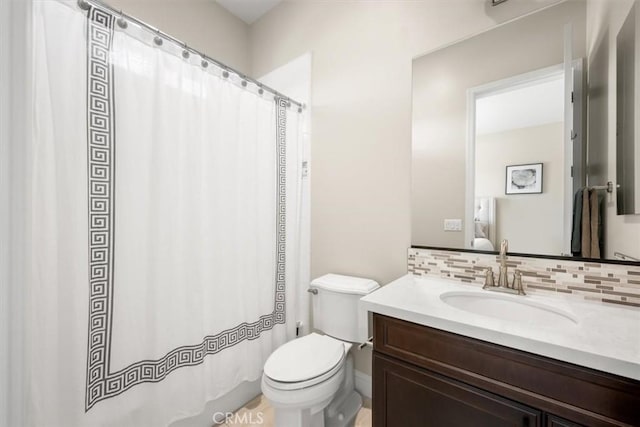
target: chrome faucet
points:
(503, 275)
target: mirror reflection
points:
(520, 164)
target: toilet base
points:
(344, 407)
(345, 414)
(304, 418)
(340, 412)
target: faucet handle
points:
(489, 278)
(517, 282)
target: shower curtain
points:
(164, 223)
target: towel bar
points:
(367, 343)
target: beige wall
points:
(440, 83)
(361, 116)
(604, 19)
(532, 223)
(202, 24)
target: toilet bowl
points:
(309, 381)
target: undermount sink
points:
(509, 308)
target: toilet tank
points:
(335, 306)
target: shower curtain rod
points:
(84, 5)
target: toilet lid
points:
(304, 358)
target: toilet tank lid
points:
(345, 284)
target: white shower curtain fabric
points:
(164, 220)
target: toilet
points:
(310, 381)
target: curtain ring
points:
(122, 23)
(83, 4)
(157, 39)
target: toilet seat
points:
(304, 362)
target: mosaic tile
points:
(590, 281)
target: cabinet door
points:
(407, 396)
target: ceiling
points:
(532, 105)
(248, 10)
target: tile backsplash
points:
(591, 281)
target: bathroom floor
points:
(259, 412)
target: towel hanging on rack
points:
(585, 247)
(587, 238)
(576, 234)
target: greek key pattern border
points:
(101, 383)
(281, 205)
(100, 153)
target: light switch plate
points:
(452, 225)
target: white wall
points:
(533, 223)
(204, 25)
(361, 116)
(5, 227)
(604, 19)
(15, 135)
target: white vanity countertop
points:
(605, 338)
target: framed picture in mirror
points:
(524, 179)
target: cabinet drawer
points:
(415, 397)
(584, 395)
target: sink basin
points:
(509, 308)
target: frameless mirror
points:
(627, 138)
(499, 141)
(499, 136)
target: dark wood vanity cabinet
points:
(427, 377)
(418, 397)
